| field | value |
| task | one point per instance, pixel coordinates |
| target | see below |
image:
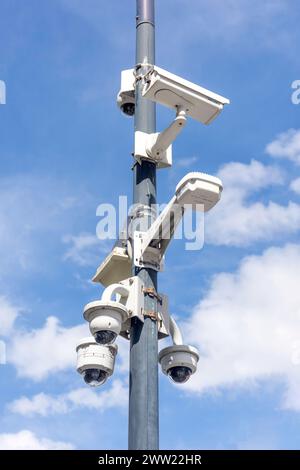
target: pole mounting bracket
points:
(151, 314)
(149, 257)
(157, 146)
(151, 292)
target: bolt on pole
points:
(143, 379)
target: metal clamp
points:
(152, 293)
(151, 314)
(142, 76)
(149, 258)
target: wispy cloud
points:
(286, 145)
(34, 211)
(2, 92)
(186, 162)
(226, 24)
(8, 315)
(85, 249)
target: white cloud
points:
(40, 352)
(248, 325)
(27, 440)
(286, 145)
(295, 186)
(45, 405)
(50, 349)
(8, 314)
(250, 177)
(85, 249)
(235, 221)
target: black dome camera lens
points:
(128, 109)
(105, 337)
(180, 374)
(94, 377)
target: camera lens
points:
(180, 374)
(94, 377)
(105, 337)
(128, 109)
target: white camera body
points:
(105, 316)
(179, 362)
(94, 358)
(126, 96)
(199, 190)
(175, 92)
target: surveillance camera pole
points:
(143, 380)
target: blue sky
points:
(65, 148)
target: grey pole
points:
(143, 380)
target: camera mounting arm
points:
(197, 191)
(157, 147)
(150, 246)
(175, 332)
(159, 143)
(115, 289)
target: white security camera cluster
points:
(124, 296)
(109, 318)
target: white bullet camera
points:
(126, 96)
(199, 190)
(95, 362)
(105, 319)
(179, 362)
(186, 98)
(175, 92)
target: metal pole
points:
(143, 386)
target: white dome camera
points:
(179, 362)
(126, 96)
(105, 319)
(95, 362)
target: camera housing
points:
(179, 362)
(126, 96)
(95, 362)
(199, 190)
(175, 92)
(105, 319)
